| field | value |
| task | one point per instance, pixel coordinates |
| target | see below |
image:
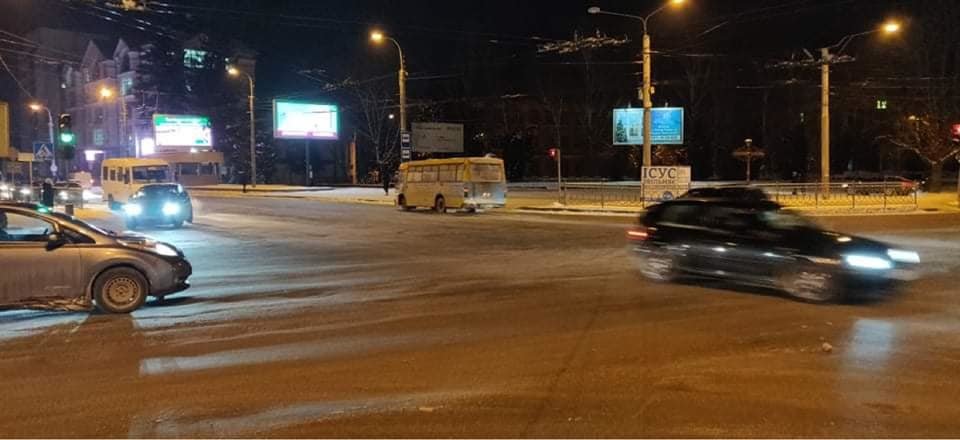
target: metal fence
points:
(879, 195)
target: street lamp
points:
(647, 81)
(36, 107)
(378, 37)
(235, 72)
(826, 59)
(107, 93)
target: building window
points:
(126, 84)
(99, 137)
(881, 104)
(194, 59)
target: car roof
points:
(727, 202)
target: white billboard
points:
(182, 132)
(304, 120)
(665, 183)
(432, 137)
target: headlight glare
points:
(165, 250)
(902, 256)
(170, 208)
(132, 209)
(868, 262)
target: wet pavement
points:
(310, 319)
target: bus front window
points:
(155, 174)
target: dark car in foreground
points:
(726, 192)
(760, 244)
(159, 204)
(54, 261)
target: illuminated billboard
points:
(177, 132)
(667, 127)
(304, 120)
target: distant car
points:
(54, 261)
(758, 243)
(726, 192)
(68, 192)
(159, 204)
(7, 191)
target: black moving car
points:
(159, 204)
(726, 192)
(757, 243)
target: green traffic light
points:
(67, 138)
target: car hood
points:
(832, 244)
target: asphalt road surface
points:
(332, 320)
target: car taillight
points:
(638, 234)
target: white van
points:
(467, 183)
(122, 178)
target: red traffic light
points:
(553, 152)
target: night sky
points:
(292, 35)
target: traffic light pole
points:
(53, 144)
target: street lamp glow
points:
(35, 107)
(593, 10)
(106, 92)
(677, 2)
(891, 27)
(377, 37)
(233, 71)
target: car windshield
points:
(150, 174)
(160, 190)
(784, 220)
(77, 222)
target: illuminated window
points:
(194, 59)
(99, 137)
(881, 104)
(126, 84)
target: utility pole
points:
(307, 166)
(825, 59)
(253, 138)
(647, 101)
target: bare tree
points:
(374, 107)
(932, 61)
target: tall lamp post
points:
(826, 59)
(647, 92)
(235, 72)
(53, 144)
(379, 37)
(107, 93)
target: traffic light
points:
(553, 152)
(67, 137)
(955, 131)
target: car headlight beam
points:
(902, 256)
(165, 250)
(868, 262)
(171, 208)
(132, 209)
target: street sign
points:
(42, 151)
(406, 150)
(437, 137)
(25, 157)
(405, 154)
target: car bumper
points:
(178, 281)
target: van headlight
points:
(133, 209)
(26, 191)
(902, 256)
(868, 262)
(64, 195)
(171, 208)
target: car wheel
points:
(402, 202)
(810, 283)
(660, 267)
(440, 205)
(120, 290)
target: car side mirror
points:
(55, 241)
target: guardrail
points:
(879, 195)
